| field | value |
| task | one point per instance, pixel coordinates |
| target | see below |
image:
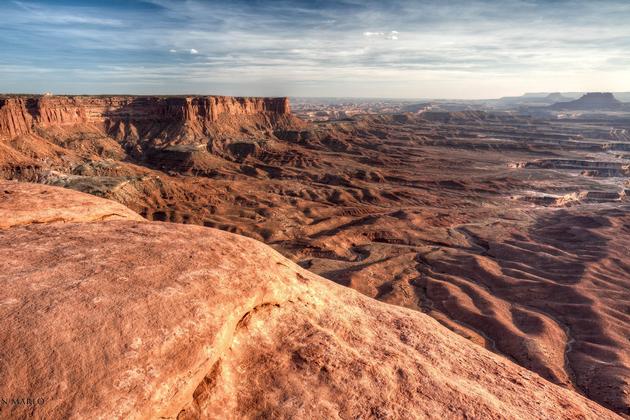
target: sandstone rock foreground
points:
(133, 319)
(41, 204)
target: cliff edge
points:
(133, 319)
(134, 116)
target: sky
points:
(351, 48)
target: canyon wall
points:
(21, 114)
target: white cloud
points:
(393, 35)
(190, 51)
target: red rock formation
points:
(25, 206)
(430, 212)
(139, 320)
(20, 115)
(14, 117)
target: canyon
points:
(499, 239)
(195, 322)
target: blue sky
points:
(363, 48)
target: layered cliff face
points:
(40, 135)
(15, 119)
(114, 318)
(129, 115)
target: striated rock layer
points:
(133, 319)
(22, 115)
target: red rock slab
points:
(131, 319)
(25, 204)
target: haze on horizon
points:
(351, 48)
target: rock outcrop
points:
(41, 204)
(124, 115)
(590, 102)
(133, 319)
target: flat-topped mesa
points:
(591, 101)
(21, 114)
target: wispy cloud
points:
(455, 48)
(34, 12)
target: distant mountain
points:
(591, 101)
(569, 95)
(532, 99)
(557, 97)
(622, 96)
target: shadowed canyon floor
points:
(512, 231)
(134, 319)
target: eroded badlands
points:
(510, 230)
